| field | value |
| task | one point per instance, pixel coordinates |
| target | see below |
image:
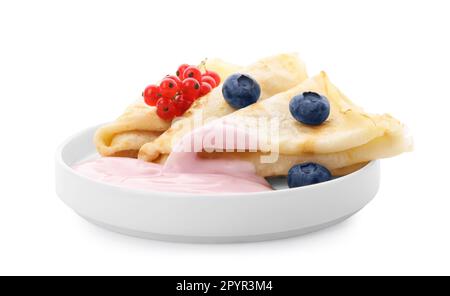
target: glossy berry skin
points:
(307, 174)
(310, 108)
(190, 88)
(181, 70)
(241, 90)
(168, 88)
(151, 95)
(205, 89)
(209, 80)
(182, 104)
(214, 75)
(192, 72)
(176, 79)
(166, 109)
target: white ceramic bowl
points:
(209, 218)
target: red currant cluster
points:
(176, 93)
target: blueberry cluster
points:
(309, 108)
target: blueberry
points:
(310, 108)
(307, 174)
(240, 90)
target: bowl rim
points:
(67, 168)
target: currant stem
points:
(203, 64)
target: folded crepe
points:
(140, 124)
(274, 74)
(344, 143)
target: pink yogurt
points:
(183, 172)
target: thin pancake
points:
(140, 124)
(349, 136)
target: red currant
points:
(213, 75)
(166, 109)
(180, 70)
(182, 104)
(209, 80)
(192, 72)
(151, 95)
(168, 88)
(177, 80)
(191, 88)
(205, 88)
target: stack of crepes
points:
(140, 124)
(348, 139)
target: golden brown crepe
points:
(140, 124)
(349, 138)
(274, 74)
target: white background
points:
(68, 65)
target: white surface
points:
(66, 66)
(208, 218)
